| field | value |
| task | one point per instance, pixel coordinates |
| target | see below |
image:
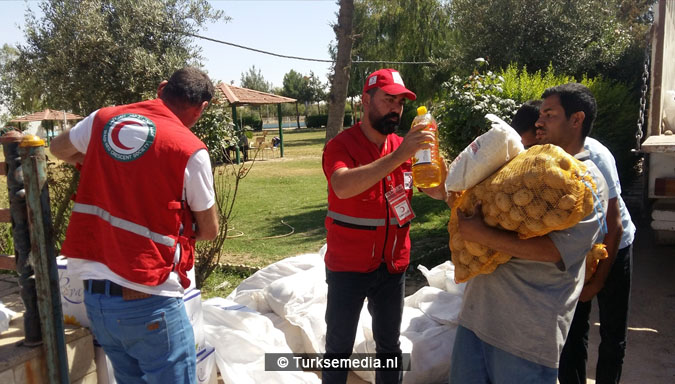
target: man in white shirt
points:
(145, 196)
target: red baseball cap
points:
(390, 81)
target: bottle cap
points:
(31, 141)
(421, 111)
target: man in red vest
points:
(368, 169)
(145, 196)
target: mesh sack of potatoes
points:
(598, 252)
(543, 189)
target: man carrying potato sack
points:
(368, 170)
(514, 321)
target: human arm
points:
(200, 195)
(473, 228)
(207, 223)
(611, 240)
(63, 149)
(349, 182)
(70, 146)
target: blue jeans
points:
(613, 302)
(147, 340)
(477, 362)
(346, 292)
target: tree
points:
(19, 94)
(296, 86)
(402, 31)
(577, 37)
(83, 55)
(341, 70)
(255, 80)
(317, 90)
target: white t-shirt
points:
(605, 162)
(197, 190)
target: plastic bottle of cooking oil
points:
(427, 168)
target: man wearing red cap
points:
(368, 169)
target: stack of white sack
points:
(281, 308)
(6, 316)
(484, 156)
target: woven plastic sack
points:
(598, 252)
(486, 154)
(543, 189)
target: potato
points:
(535, 209)
(475, 248)
(567, 202)
(536, 226)
(461, 273)
(555, 178)
(475, 266)
(506, 222)
(555, 218)
(517, 214)
(550, 195)
(522, 197)
(457, 242)
(465, 257)
(565, 163)
(503, 201)
(491, 220)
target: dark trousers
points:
(613, 302)
(346, 292)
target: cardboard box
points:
(193, 306)
(72, 296)
(206, 366)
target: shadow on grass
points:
(318, 141)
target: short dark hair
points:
(527, 116)
(188, 86)
(575, 97)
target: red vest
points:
(362, 230)
(128, 212)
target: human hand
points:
(471, 225)
(589, 291)
(417, 138)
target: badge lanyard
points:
(398, 202)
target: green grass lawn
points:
(293, 189)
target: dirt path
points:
(650, 352)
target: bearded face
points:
(386, 124)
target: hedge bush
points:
(318, 121)
(252, 121)
(466, 100)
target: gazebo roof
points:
(47, 114)
(241, 96)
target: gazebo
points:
(237, 96)
(48, 115)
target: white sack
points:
(301, 299)
(6, 315)
(442, 276)
(241, 337)
(485, 155)
(250, 291)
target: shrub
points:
(318, 121)
(467, 100)
(252, 121)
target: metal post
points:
(43, 257)
(236, 130)
(21, 235)
(281, 133)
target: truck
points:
(659, 138)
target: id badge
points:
(399, 204)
